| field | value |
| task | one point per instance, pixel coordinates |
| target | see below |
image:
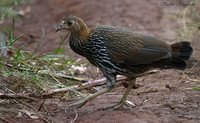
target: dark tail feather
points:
(181, 52)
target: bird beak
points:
(58, 28)
(61, 27)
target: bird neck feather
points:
(78, 39)
(82, 36)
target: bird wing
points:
(129, 47)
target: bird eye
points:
(63, 22)
(69, 23)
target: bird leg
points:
(124, 98)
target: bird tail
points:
(181, 52)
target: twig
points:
(184, 17)
(70, 77)
(63, 40)
(25, 104)
(89, 85)
(193, 67)
(36, 115)
(76, 116)
(31, 114)
(39, 43)
(41, 105)
(51, 93)
(16, 96)
(4, 121)
(77, 87)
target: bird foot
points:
(89, 97)
(127, 103)
(80, 102)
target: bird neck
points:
(78, 39)
(82, 35)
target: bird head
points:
(72, 24)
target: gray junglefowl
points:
(122, 51)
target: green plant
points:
(7, 8)
(190, 30)
(190, 18)
(7, 12)
(25, 69)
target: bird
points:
(118, 50)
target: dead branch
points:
(16, 96)
(83, 86)
(51, 93)
(89, 84)
(80, 87)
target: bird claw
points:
(79, 103)
(129, 104)
(89, 97)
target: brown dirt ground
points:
(164, 97)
